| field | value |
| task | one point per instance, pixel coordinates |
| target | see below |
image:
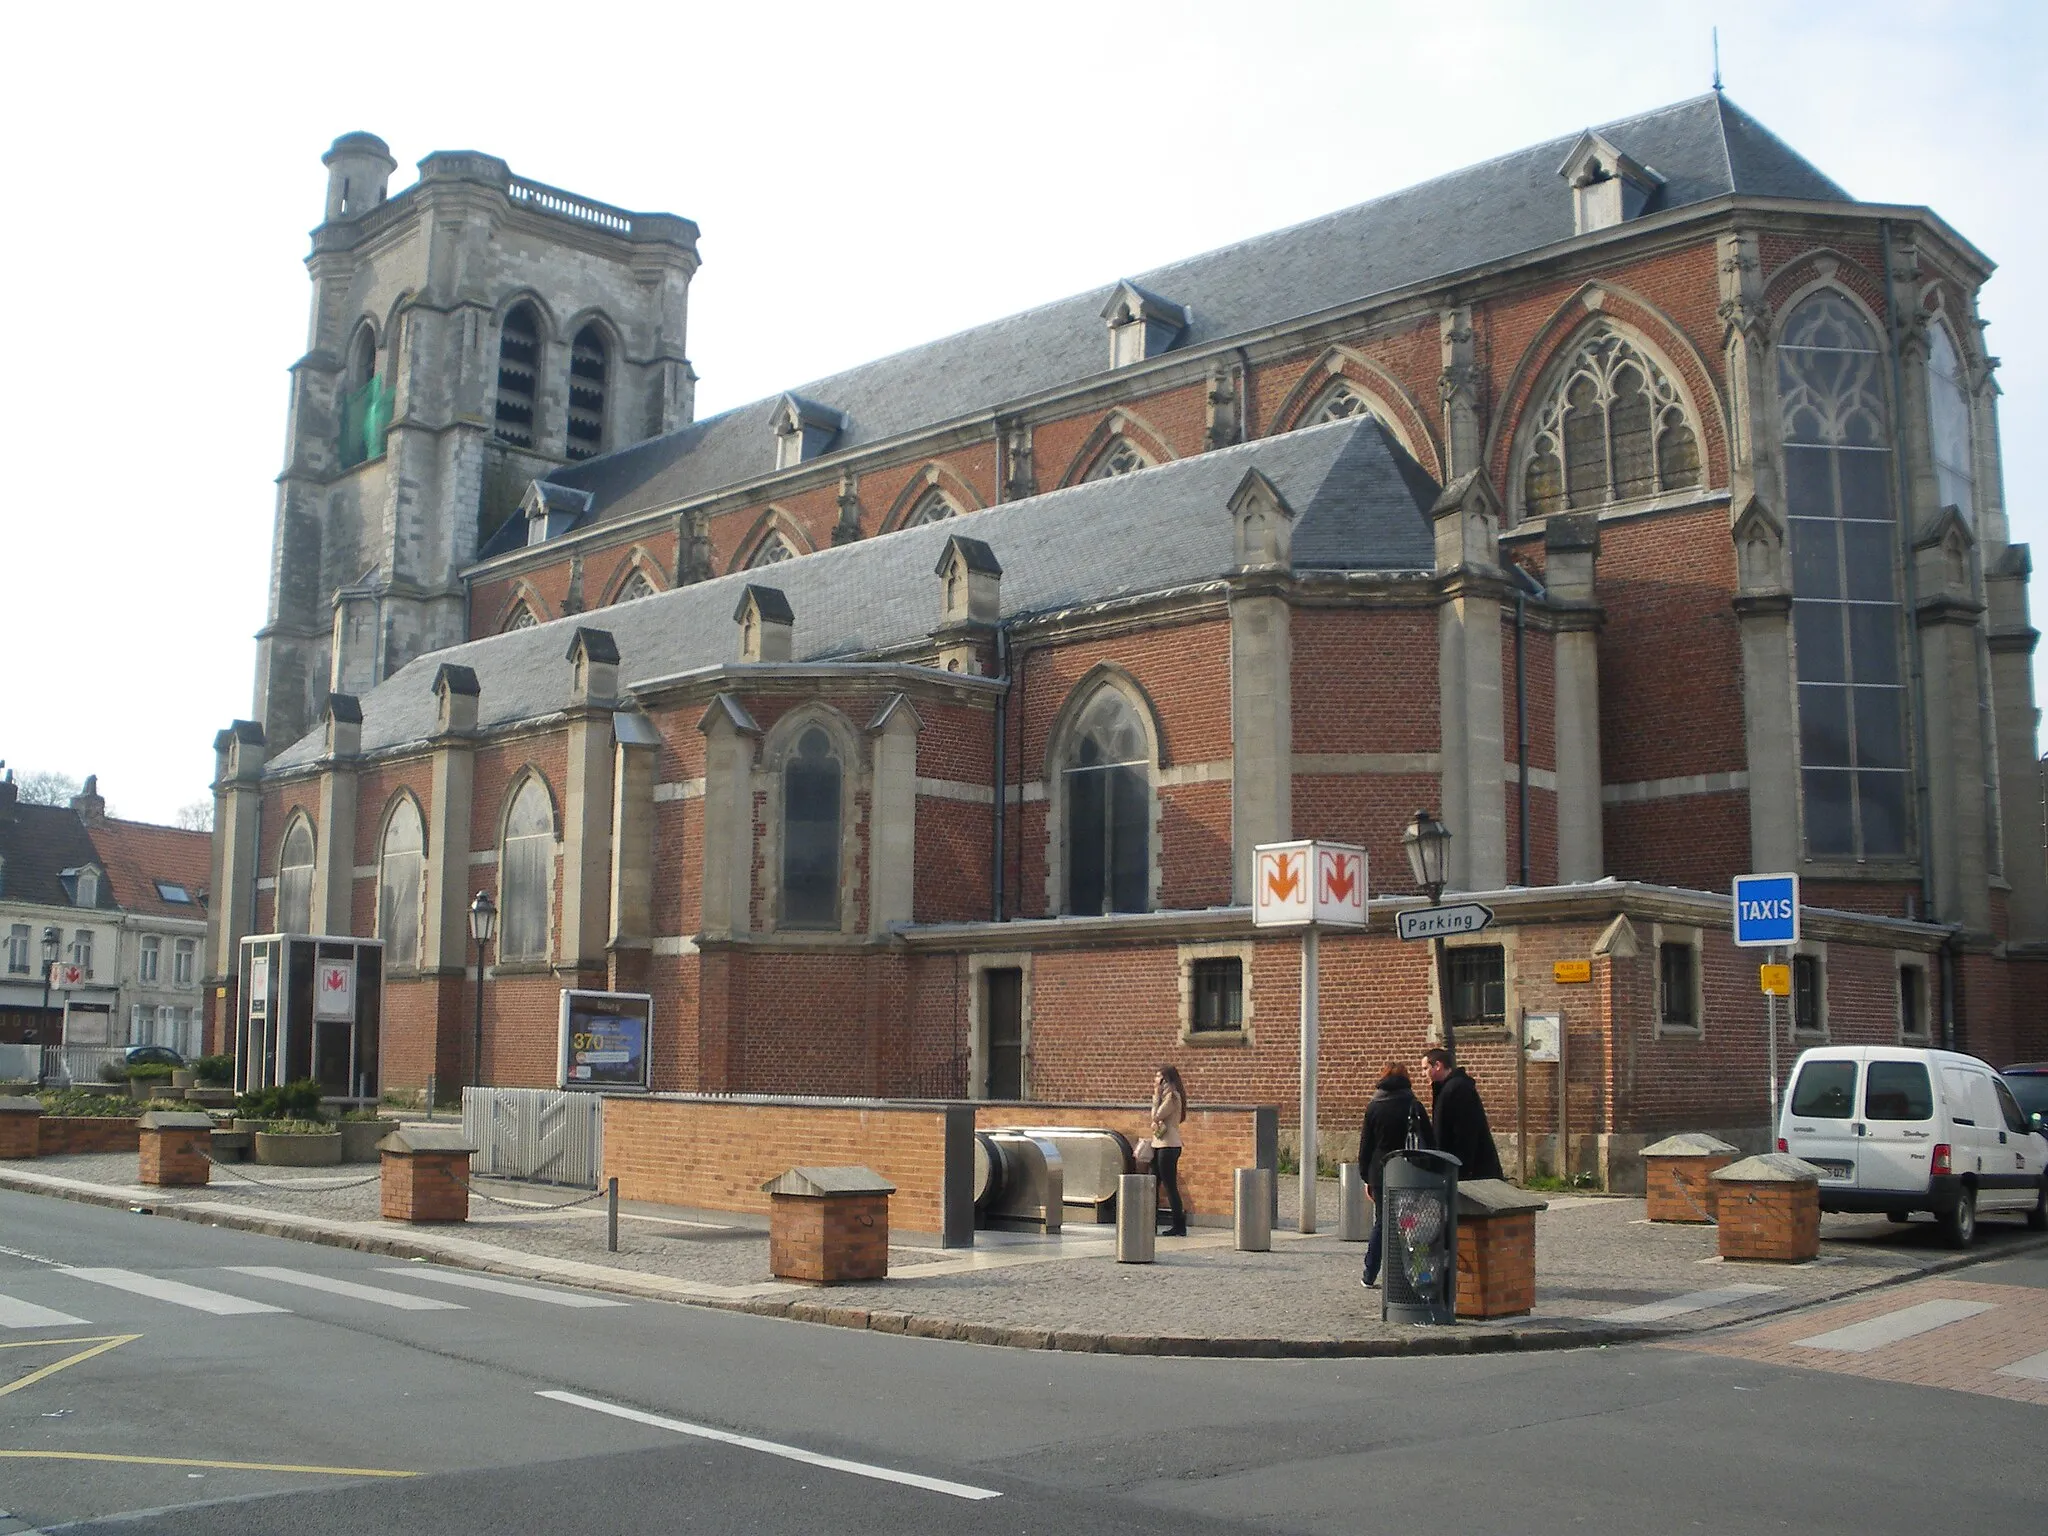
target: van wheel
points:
(1898, 1218)
(2037, 1218)
(1959, 1226)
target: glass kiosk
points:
(311, 1007)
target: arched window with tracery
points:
(1948, 422)
(1853, 772)
(1612, 428)
(1121, 457)
(522, 618)
(1339, 402)
(931, 507)
(1106, 784)
(524, 867)
(400, 873)
(588, 364)
(810, 833)
(295, 878)
(635, 587)
(518, 376)
(773, 551)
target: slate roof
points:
(1704, 148)
(138, 854)
(38, 843)
(1360, 503)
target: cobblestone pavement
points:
(1603, 1271)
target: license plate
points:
(1833, 1168)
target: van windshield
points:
(1897, 1090)
(1826, 1090)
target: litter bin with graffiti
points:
(1418, 1217)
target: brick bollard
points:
(829, 1225)
(1769, 1208)
(1496, 1249)
(424, 1174)
(21, 1127)
(1679, 1175)
(173, 1145)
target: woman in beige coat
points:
(1169, 1109)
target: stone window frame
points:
(399, 801)
(1903, 961)
(20, 949)
(1508, 942)
(1817, 952)
(1678, 934)
(589, 330)
(550, 877)
(185, 963)
(149, 959)
(1240, 950)
(977, 1022)
(856, 778)
(298, 822)
(1058, 742)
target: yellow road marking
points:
(218, 1466)
(99, 1347)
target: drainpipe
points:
(1002, 786)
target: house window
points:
(1678, 986)
(1853, 776)
(810, 834)
(1107, 779)
(1913, 1000)
(85, 888)
(932, 507)
(523, 874)
(635, 587)
(1613, 429)
(141, 1024)
(295, 879)
(518, 368)
(1479, 992)
(1119, 458)
(586, 393)
(398, 887)
(151, 960)
(17, 950)
(1217, 1003)
(1948, 421)
(1809, 995)
(81, 951)
(184, 962)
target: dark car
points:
(2029, 1084)
(154, 1056)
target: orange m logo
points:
(1340, 878)
(1283, 876)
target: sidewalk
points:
(1604, 1274)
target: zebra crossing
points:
(79, 1292)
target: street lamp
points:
(53, 941)
(1428, 842)
(483, 922)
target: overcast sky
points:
(867, 176)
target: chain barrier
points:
(531, 1205)
(298, 1187)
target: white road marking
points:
(1906, 1323)
(2033, 1368)
(1692, 1301)
(500, 1287)
(774, 1448)
(26, 1314)
(178, 1294)
(375, 1294)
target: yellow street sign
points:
(1776, 980)
(1571, 970)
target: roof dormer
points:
(804, 429)
(551, 510)
(1608, 187)
(84, 884)
(767, 624)
(1141, 324)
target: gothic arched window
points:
(810, 833)
(773, 551)
(932, 507)
(401, 867)
(1340, 402)
(1613, 428)
(1119, 458)
(1845, 610)
(1948, 420)
(635, 587)
(518, 374)
(523, 874)
(587, 363)
(1106, 781)
(365, 402)
(295, 878)
(522, 618)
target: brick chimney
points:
(91, 808)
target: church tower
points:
(467, 336)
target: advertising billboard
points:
(604, 1040)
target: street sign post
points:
(1442, 922)
(1766, 912)
(1301, 885)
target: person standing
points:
(1461, 1124)
(1394, 1118)
(1169, 1109)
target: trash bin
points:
(1419, 1237)
(1254, 1210)
(1351, 1218)
(1137, 1218)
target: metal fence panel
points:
(541, 1134)
(66, 1065)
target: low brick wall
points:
(1216, 1140)
(58, 1134)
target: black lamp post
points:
(53, 942)
(483, 923)
(1428, 842)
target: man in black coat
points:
(1392, 1115)
(1461, 1127)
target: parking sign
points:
(1766, 910)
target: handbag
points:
(1141, 1154)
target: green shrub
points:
(150, 1072)
(302, 1128)
(75, 1101)
(113, 1071)
(294, 1101)
(214, 1071)
(356, 1115)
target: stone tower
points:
(467, 335)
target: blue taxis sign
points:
(1766, 910)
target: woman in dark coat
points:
(1392, 1115)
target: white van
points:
(1899, 1130)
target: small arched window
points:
(1948, 420)
(810, 833)
(1340, 402)
(365, 403)
(518, 373)
(587, 365)
(1614, 428)
(295, 878)
(773, 551)
(635, 587)
(399, 884)
(1106, 779)
(932, 507)
(1121, 457)
(524, 866)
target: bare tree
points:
(45, 787)
(196, 817)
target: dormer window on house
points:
(804, 429)
(1141, 324)
(587, 375)
(518, 373)
(1608, 187)
(552, 510)
(85, 887)
(1612, 428)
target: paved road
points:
(240, 1384)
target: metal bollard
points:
(611, 1241)
(1137, 1217)
(1254, 1210)
(1352, 1225)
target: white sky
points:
(867, 176)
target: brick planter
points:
(173, 1148)
(1678, 1175)
(829, 1225)
(21, 1133)
(1769, 1208)
(59, 1134)
(1496, 1249)
(425, 1174)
